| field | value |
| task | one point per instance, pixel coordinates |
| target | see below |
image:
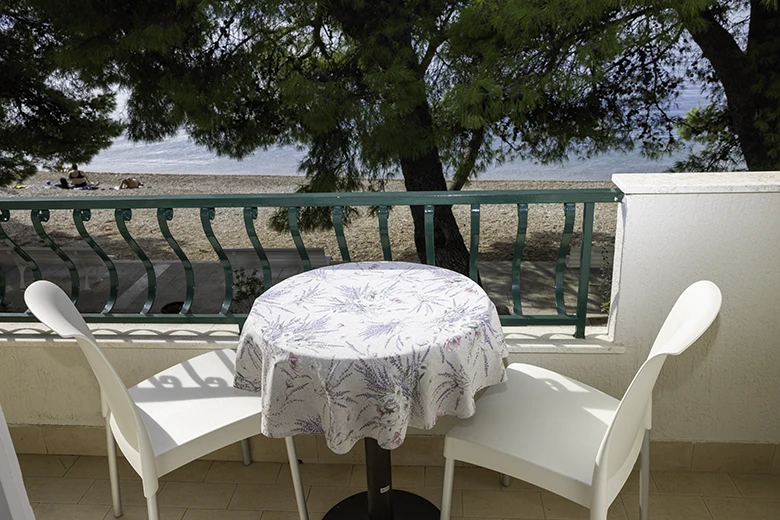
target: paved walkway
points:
(537, 281)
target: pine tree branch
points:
(466, 165)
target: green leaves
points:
(48, 115)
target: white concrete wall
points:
(46, 380)
(675, 229)
(672, 230)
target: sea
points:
(179, 155)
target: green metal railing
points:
(39, 211)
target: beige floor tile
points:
(515, 484)
(45, 465)
(195, 471)
(558, 508)
(141, 513)
(668, 507)
(671, 456)
(465, 478)
(131, 492)
(743, 508)
(318, 474)
(289, 515)
(219, 514)
(434, 497)
(357, 455)
(732, 458)
(70, 512)
(631, 486)
(502, 504)
(196, 495)
(757, 485)
(93, 467)
(692, 483)
(264, 497)
(403, 476)
(321, 498)
(27, 439)
(57, 490)
(237, 473)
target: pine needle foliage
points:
(48, 114)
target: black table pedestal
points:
(381, 502)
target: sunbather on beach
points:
(77, 178)
(130, 183)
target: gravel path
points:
(497, 225)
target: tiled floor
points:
(77, 488)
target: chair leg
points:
(505, 480)
(644, 478)
(113, 471)
(295, 471)
(246, 454)
(151, 507)
(446, 497)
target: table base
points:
(405, 506)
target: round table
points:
(365, 350)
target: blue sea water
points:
(180, 155)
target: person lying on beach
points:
(129, 183)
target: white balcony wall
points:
(672, 230)
(675, 229)
(46, 380)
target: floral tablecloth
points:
(367, 349)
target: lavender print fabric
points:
(368, 349)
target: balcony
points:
(66, 487)
(716, 421)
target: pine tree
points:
(373, 89)
(734, 48)
(48, 115)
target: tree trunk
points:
(383, 28)
(737, 72)
(425, 173)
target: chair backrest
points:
(54, 309)
(692, 314)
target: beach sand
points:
(498, 224)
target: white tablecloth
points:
(368, 349)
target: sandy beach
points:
(497, 226)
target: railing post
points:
(293, 214)
(582, 286)
(430, 245)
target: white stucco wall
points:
(672, 230)
(46, 380)
(675, 229)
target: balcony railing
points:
(39, 211)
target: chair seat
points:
(192, 409)
(540, 427)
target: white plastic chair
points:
(567, 437)
(170, 419)
(14, 503)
